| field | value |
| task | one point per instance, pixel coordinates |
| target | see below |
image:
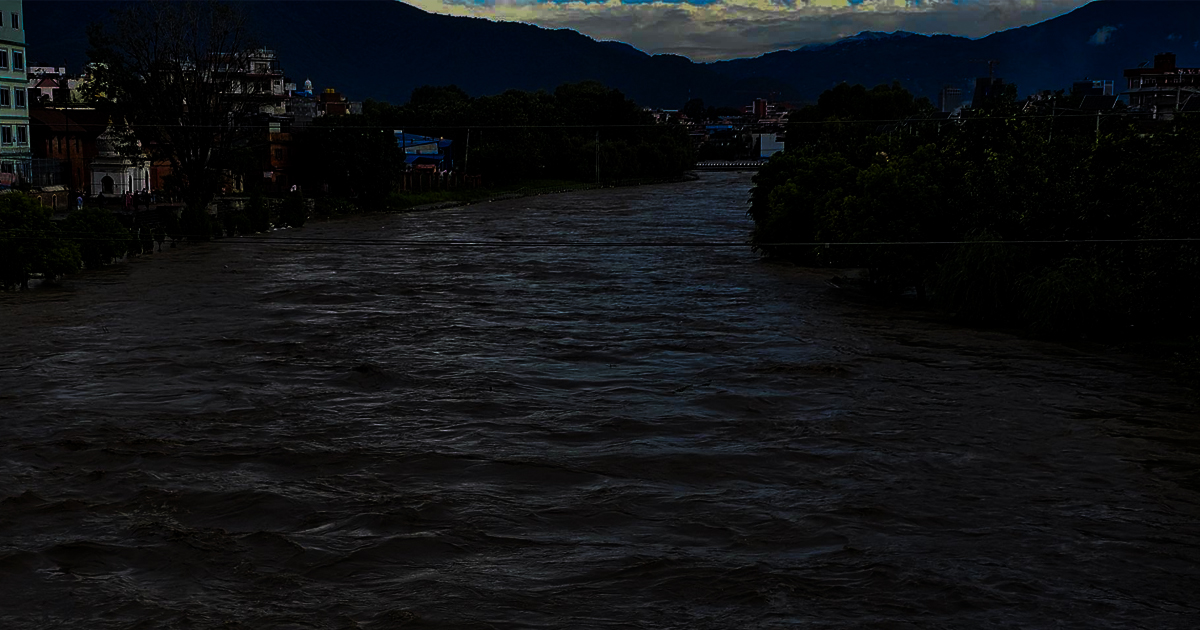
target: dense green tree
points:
(98, 234)
(352, 156)
(1059, 223)
(519, 135)
(30, 243)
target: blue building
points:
(425, 152)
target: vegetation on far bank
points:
(1009, 216)
(582, 132)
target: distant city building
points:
(768, 144)
(950, 99)
(15, 159)
(986, 88)
(257, 79)
(759, 108)
(48, 84)
(332, 103)
(424, 152)
(1092, 87)
(1162, 89)
(765, 112)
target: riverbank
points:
(331, 208)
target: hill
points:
(383, 49)
(1098, 41)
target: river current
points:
(355, 433)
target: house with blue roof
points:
(425, 152)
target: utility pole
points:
(1053, 107)
(597, 156)
(1178, 88)
(467, 152)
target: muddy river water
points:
(352, 433)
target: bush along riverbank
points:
(35, 246)
(1011, 216)
(581, 134)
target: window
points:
(16, 21)
(5, 97)
(3, 59)
(8, 167)
(18, 60)
(22, 135)
(6, 136)
(19, 95)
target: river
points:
(357, 430)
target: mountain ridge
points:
(383, 49)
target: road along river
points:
(347, 433)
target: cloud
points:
(1101, 36)
(706, 30)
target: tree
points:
(98, 234)
(354, 156)
(171, 70)
(30, 243)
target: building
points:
(48, 84)
(768, 144)
(758, 108)
(15, 159)
(78, 148)
(333, 103)
(1092, 87)
(112, 172)
(950, 99)
(276, 152)
(1162, 89)
(254, 78)
(425, 152)
(63, 144)
(986, 88)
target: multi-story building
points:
(63, 143)
(1162, 89)
(14, 107)
(256, 77)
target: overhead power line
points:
(1071, 113)
(273, 239)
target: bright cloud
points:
(707, 30)
(1102, 34)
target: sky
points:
(708, 30)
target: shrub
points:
(979, 281)
(1074, 297)
(98, 234)
(294, 210)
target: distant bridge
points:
(730, 165)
